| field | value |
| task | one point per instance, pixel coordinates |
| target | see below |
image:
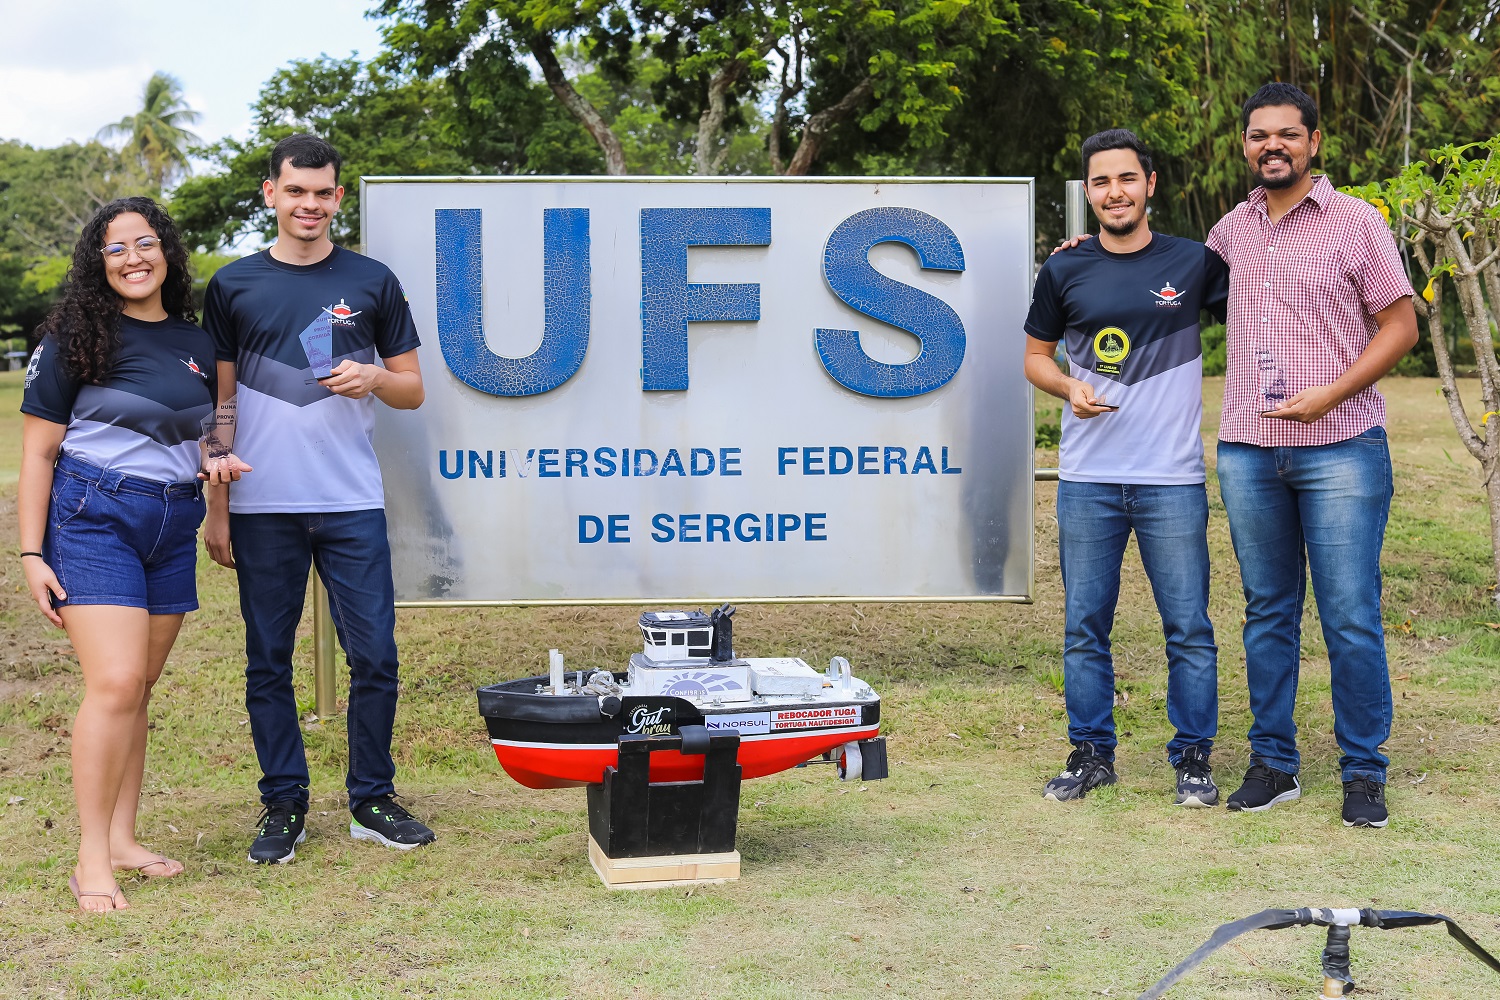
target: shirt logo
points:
(1111, 347)
(1168, 296)
(341, 313)
(193, 367)
(34, 366)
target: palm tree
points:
(156, 133)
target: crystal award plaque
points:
(1273, 391)
(317, 344)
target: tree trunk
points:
(579, 106)
(791, 86)
(1469, 283)
(818, 125)
(1492, 488)
(711, 122)
(1434, 315)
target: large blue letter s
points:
(847, 268)
(460, 304)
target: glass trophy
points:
(1273, 391)
(218, 429)
(317, 344)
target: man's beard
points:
(1292, 178)
(1122, 227)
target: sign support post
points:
(325, 694)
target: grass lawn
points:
(951, 879)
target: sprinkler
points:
(1337, 981)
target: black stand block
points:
(629, 817)
(875, 764)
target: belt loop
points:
(110, 480)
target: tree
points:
(1388, 78)
(817, 67)
(1446, 210)
(651, 140)
(382, 124)
(46, 195)
(157, 135)
(1065, 70)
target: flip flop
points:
(78, 895)
(161, 859)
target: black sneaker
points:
(281, 830)
(1195, 780)
(385, 822)
(1263, 788)
(1084, 771)
(1364, 803)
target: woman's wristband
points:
(37, 554)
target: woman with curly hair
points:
(119, 398)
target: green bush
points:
(1213, 349)
(1049, 428)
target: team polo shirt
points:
(311, 450)
(1129, 324)
(146, 417)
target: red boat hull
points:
(566, 765)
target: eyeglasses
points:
(146, 246)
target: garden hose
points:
(1335, 955)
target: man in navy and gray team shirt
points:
(1126, 307)
(299, 327)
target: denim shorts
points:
(123, 540)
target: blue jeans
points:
(1094, 522)
(353, 558)
(123, 540)
(1322, 508)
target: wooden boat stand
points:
(645, 835)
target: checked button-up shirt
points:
(1303, 293)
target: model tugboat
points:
(564, 729)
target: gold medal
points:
(1111, 347)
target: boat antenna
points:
(723, 643)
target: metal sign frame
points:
(434, 370)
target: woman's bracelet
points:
(37, 554)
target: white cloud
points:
(48, 107)
(68, 68)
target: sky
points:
(69, 67)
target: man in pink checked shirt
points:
(1319, 309)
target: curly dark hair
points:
(86, 320)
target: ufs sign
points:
(652, 390)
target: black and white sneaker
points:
(1364, 803)
(1264, 787)
(1195, 780)
(282, 828)
(1084, 771)
(384, 821)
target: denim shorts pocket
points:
(70, 496)
(1375, 435)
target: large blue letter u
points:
(460, 304)
(847, 268)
